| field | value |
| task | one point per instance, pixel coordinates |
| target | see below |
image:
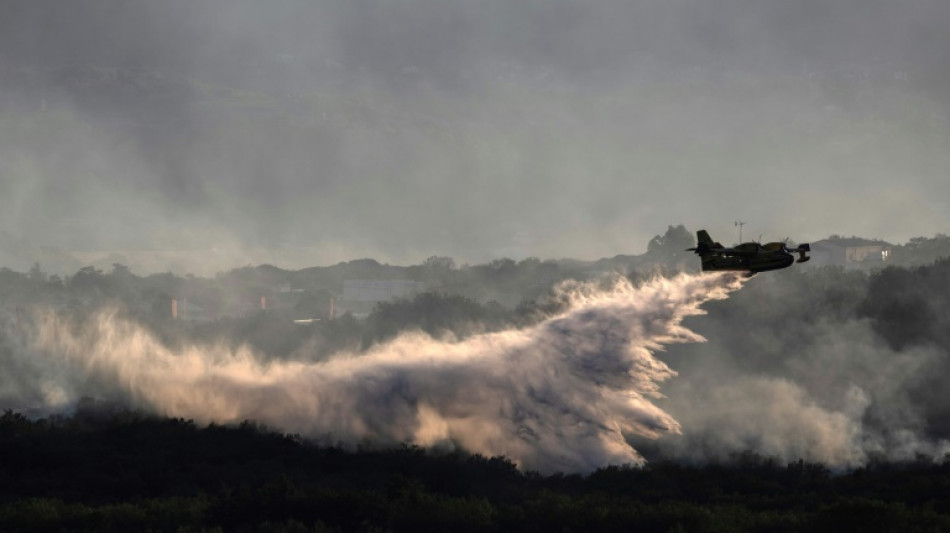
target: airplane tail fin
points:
(704, 243)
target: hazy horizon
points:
(309, 133)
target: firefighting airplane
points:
(751, 257)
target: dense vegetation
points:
(460, 299)
(115, 470)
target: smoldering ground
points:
(562, 395)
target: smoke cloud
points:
(791, 370)
(198, 136)
(563, 395)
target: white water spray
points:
(557, 396)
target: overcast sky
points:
(310, 132)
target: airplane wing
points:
(704, 249)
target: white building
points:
(851, 253)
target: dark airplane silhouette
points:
(751, 257)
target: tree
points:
(670, 247)
(676, 238)
(36, 273)
(87, 278)
(439, 263)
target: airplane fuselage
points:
(762, 262)
(751, 257)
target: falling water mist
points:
(564, 394)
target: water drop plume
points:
(560, 395)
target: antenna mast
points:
(739, 223)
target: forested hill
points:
(448, 298)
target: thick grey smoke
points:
(197, 136)
(791, 370)
(562, 395)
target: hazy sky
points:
(221, 133)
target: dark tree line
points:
(109, 469)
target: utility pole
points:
(739, 223)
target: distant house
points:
(380, 290)
(852, 252)
(361, 296)
(189, 311)
(285, 288)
